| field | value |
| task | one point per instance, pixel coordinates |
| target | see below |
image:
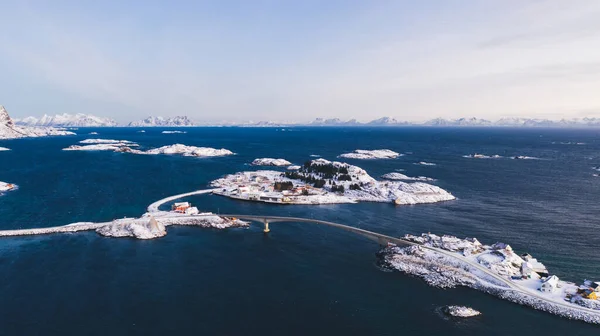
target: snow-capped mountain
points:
(8, 129)
(387, 121)
(67, 120)
(160, 121)
(458, 122)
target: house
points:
(526, 269)
(590, 294)
(595, 286)
(550, 284)
(180, 206)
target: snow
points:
(4, 149)
(315, 155)
(154, 225)
(460, 265)
(259, 186)
(482, 156)
(93, 133)
(294, 167)
(362, 154)
(68, 120)
(423, 163)
(7, 186)
(8, 129)
(173, 132)
(400, 177)
(109, 141)
(160, 121)
(271, 162)
(523, 157)
(124, 146)
(189, 151)
(96, 147)
(461, 311)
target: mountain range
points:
(9, 130)
(85, 120)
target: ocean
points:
(300, 279)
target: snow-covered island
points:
(363, 154)
(124, 146)
(324, 182)
(461, 311)
(423, 163)
(402, 177)
(7, 186)
(271, 162)
(2, 149)
(448, 261)
(173, 132)
(9, 130)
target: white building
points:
(549, 284)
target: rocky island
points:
(324, 182)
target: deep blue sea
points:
(301, 279)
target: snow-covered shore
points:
(402, 177)
(271, 162)
(362, 154)
(447, 262)
(325, 182)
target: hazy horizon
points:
(289, 61)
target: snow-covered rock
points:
(96, 147)
(109, 141)
(294, 167)
(482, 156)
(4, 149)
(524, 157)
(402, 177)
(271, 162)
(173, 132)
(93, 133)
(461, 311)
(7, 186)
(141, 229)
(423, 163)
(189, 151)
(8, 129)
(124, 146)
(363, 154)
(160, 121)
(68, 120)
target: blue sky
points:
(297, 60)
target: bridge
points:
(376, 237)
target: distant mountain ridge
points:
(67, 120)
(9, 130)
(160, 121)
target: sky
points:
(298, 60)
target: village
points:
(324, 182)
(523, 270)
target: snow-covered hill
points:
(8, 129)
(67, 120)
(160, 121)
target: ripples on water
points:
(301, 279)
